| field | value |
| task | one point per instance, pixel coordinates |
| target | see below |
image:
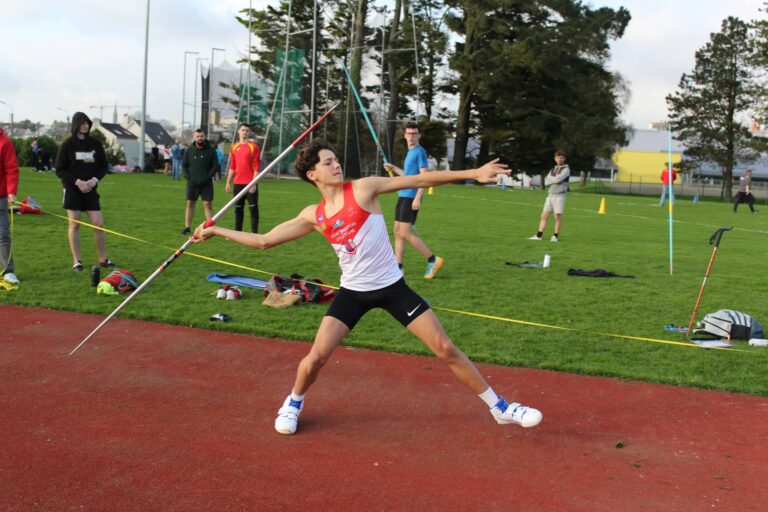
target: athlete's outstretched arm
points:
(485, 174)
(301, 225)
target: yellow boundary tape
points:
(448, 310)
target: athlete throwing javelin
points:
(350, 217)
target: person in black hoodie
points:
(198, 166)
(80, 165)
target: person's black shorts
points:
(204, 192)
(76, 201)
(396, 299)
(404, 211)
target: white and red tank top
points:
(361, 241)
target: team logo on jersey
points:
(320, 218)
(338, 224)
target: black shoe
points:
(107, 264)
(77, 267)
(186, 231)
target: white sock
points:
(489, 397)
(296, 398)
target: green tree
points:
(721, 87)
(432, 43)
(760, 62)
(532, 77)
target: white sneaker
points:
(288, 416)
(505, 413)
(11, 278)
(553, 239)
(534, 237)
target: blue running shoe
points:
(433, 267)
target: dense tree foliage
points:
(529, 76)
(706, 110)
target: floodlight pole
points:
(194, 101)
(314, 65)
(248, 74)
(285, 81)
(144, 94)
(184, 91)
(210, 91)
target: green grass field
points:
(478, 230)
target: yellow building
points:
(646, 155)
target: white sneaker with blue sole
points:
(505, 413)
(288, 416)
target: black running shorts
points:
(76, 201)
(397, 299)
(404, 211)
(204, 192)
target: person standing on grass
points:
(177, 153)
(9, 184)
(349, 215)
(244, 164)
(744, 195)
(557, 180)
(166, 161)
(80, 165)
(219, 162)
(409, 203)
(666, 183)
(199, 166)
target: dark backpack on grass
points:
(731, 325)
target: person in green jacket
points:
(198, 167)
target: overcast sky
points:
(58, 57)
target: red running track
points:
(149, 417)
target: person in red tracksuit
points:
(244, 164)
(9, 183)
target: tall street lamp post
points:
(184, 91)
(210, 91)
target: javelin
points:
(365, 115)
(208, 223)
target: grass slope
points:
(478, 230)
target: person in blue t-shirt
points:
(409, 203)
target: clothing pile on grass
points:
(280, 291)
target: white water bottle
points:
(547, 260)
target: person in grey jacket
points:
(557, 180)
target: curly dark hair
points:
(309, 155)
